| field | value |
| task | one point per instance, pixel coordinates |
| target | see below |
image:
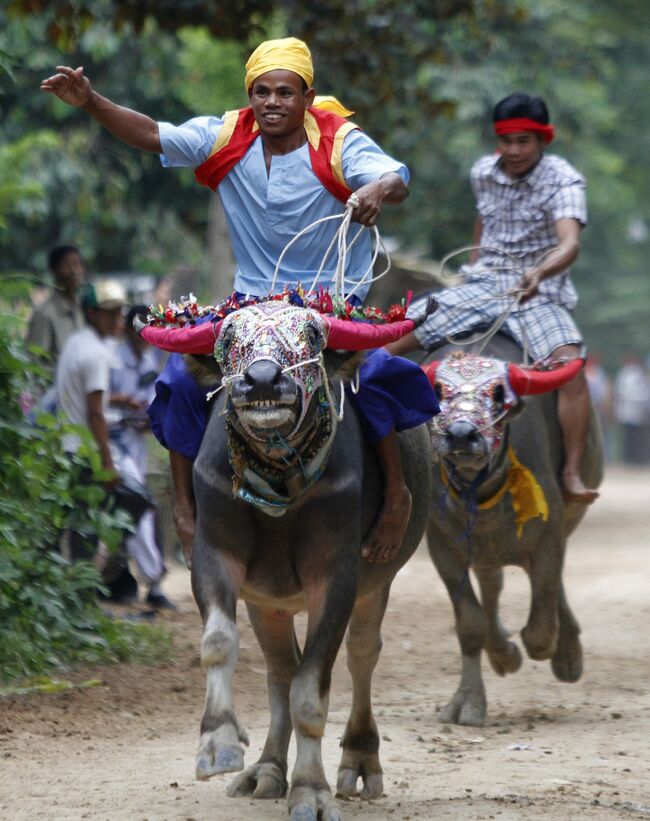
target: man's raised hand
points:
(69, 85)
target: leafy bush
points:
(49, 617)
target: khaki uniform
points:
(53, 322)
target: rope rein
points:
(514, 294)
(343, 248)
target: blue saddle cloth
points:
(179, 411)
(394, 394)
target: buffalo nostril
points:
(264, 372)
(461, 435)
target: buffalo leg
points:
(328, 607)
(216, 582)
(275, 634)
(504, 654)
(360, 742)
(567, 659)
(469, 705)
(545, 572)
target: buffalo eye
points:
(498, 394)
(313, 339)
(224, 342)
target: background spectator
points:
(133, 372)
(601, 391)
(632, 409)
(83, 395)
(60, 314)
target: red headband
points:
(515, 124)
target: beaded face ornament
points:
(291, 337)
(473, 389)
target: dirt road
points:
(125, 750)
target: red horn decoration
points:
(197, 339)
(525, 382)
(344, 335)
(430, 371)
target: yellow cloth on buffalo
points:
(528, 499)
(289, 54)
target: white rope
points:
(293, 239)
(343, 247)
(487, 335)
(515, 294)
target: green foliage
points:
(67, 20)
(21, 193)
(212, 72)
(49, 617)
(117, 205)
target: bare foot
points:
(385, 539)
(575, 491)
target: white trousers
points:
(141, 545)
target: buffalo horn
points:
(525, 382)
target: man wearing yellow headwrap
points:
(283, 162)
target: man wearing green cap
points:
(83, 385)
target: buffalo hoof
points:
(540, 644)
(465, 710)
(567, 660)
(309, 804)
(346, 784)
(354, 765)
(263, 780)
(212, 761)
(506, 660)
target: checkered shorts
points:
(538, 326)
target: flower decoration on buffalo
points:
(188, 311)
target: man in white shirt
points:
(83, 396)
(83, 370)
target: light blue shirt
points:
(265, 211)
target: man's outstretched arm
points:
(74, 88)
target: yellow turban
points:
(289, 54)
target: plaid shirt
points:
(519, 216)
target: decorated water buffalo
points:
(286, 488)
(498, 501)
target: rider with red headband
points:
(531, 210)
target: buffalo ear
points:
(343, 364)
(204, 369)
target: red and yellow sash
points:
(325, 134)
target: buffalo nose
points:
(262, 379)
(461, 435)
